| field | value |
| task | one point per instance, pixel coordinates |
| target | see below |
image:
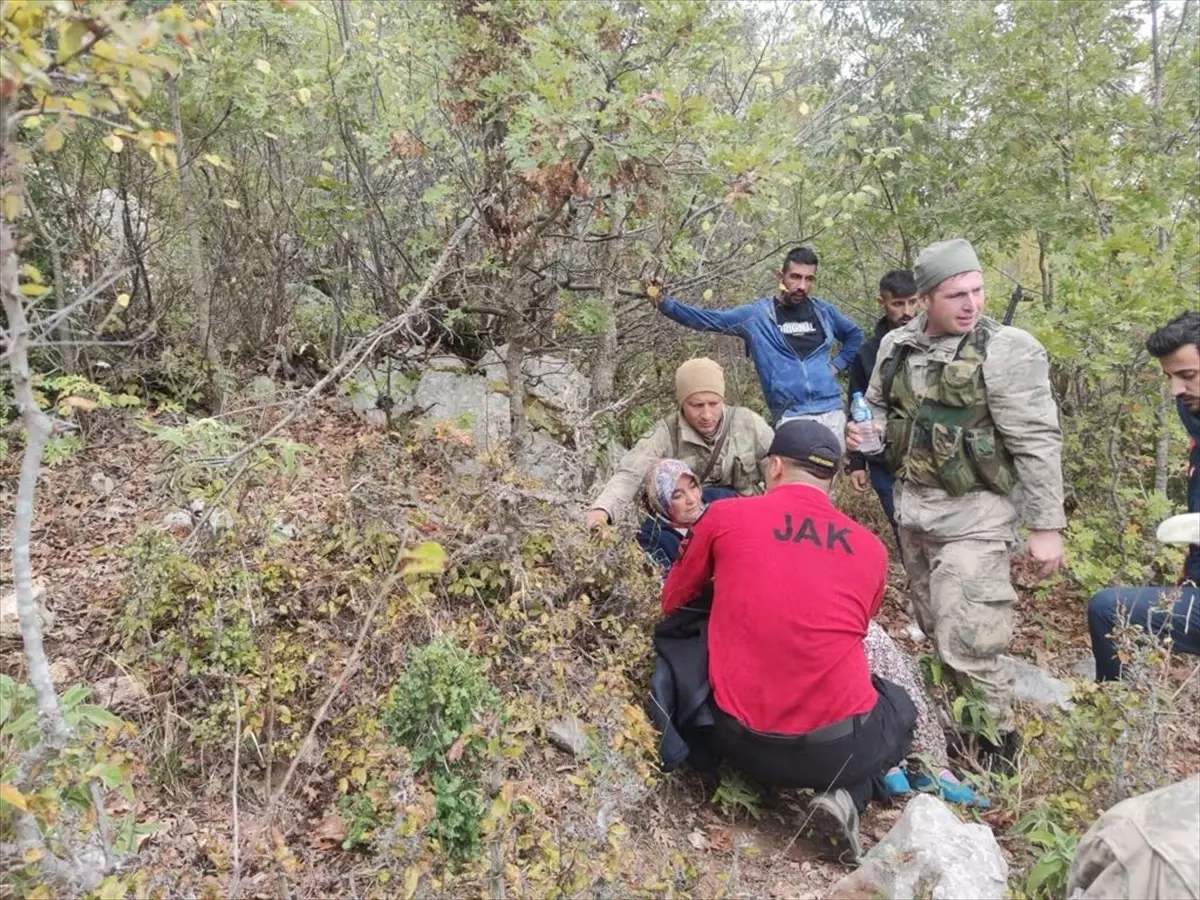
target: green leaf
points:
(21, 723)
(111, 776)
(74, 695)
(425, 559)
(1046, 868)
(98, 715)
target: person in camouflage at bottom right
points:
(966, 412)
(1144, 848)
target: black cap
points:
(808, 444)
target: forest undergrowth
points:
(349, 683)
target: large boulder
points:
(555, 381)
(930, 853)
(465, 399)
(549, 462)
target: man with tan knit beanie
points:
(724, 445)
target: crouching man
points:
(724, 445)
(795, 583)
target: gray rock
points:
(446, 363)
(1035, 685)
(285, 530)
(262, 386)
(1085, 669)
(178, 520)
(930, 853)
(119, 690)
(466, 400)
(549, 462)
(568, 735)
(10, 621)
(555, 381)
(369, 383)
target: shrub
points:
(435, 710)
(436, 700)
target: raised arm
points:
(624, 484)
(722, 321)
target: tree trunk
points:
(1044, 269)
(514, 364)
(38, 428)
(1163, 443)
(197, 270)
(1157, 99)
(604, 367)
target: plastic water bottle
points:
(860, 412)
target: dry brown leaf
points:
(329, 833)
(454, 754)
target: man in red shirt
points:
(795, 583)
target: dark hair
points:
(898, 283)
(801, 256)
(1179, 332)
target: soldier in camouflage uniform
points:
(966, 410)
(1144, 847)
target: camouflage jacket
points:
(1022, 411)
(741, 466)
(1146, 846)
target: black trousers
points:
(853, 754)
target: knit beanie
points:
(943, 260)
(696, 375)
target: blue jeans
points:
(884, 483)
(1111, 606)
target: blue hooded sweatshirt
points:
(791, 386)
(1191, 421)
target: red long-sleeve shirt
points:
(795, 583)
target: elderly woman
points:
(674, 501)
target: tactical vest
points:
(946, 439)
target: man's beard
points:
(795, 298)
(1190, 402)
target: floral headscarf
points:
(660, 482)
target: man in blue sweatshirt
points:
(1166, 612)
(790, 337)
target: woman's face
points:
(685, 505)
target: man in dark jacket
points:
(898, 300)
(1168, 612)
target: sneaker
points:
(950, 790)
(896, 783)
(833, 821)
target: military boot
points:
(1001, 757)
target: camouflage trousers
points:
(963, 598)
